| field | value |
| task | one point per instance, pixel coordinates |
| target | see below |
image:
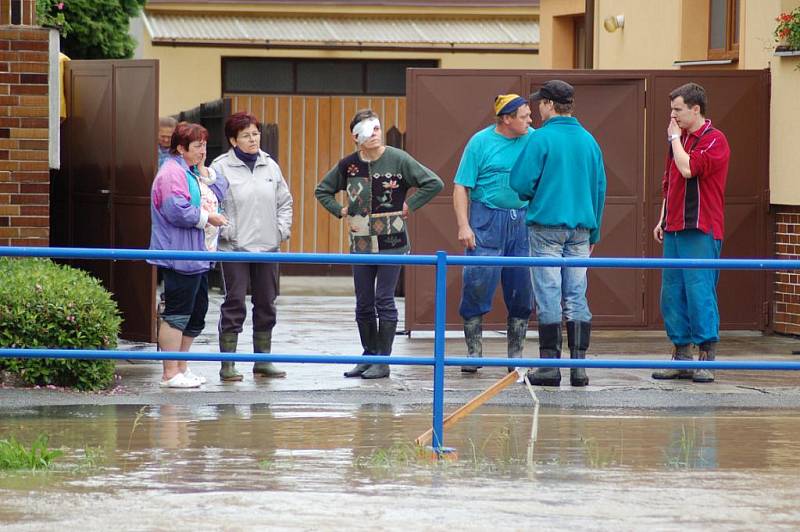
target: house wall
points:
(24, 167)
(203, 65)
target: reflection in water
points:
(353, 454)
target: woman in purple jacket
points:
(184, 212)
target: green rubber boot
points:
(473, 335)
(227, 344)
(516, 330)
(262, 343)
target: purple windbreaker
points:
(175, 220)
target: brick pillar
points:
(786, 314)
(24, 166)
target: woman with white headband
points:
(376, 178)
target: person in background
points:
(377, 178)
(166, 125)
(259, 210)
(562, 174)
(184, 199)
(691, 227)
(491, 223)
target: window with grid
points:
(723, 29)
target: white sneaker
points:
(190, 375)
(180, 381)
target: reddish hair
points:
(185, 133)
(237, 122)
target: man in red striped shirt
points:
(691, 227)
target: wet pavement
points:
(318, 451)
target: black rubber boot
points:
(227, 344)
(708, 351)
(473, 335)
(262, 343)
(386, 331)
(368, 331)
(516, 330)
(679, 352)
(578, 335)
(549, 347)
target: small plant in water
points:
(265, 465)
(396, 456)
(683, 452)
(14, 455)
(597, 457)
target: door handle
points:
(104, 191)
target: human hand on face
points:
(673, 128)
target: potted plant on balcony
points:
(787, 33)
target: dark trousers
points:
(375, 285)
(263, 279)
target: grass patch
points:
(15, 456)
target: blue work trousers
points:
(498, 233)
(689, 296)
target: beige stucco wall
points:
(189, 76)
(556, 34)
(650, 38)
(784, 154)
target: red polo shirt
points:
(698, 202)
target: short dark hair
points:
(186, 133)
(692, 94)
(238, 122)
(564, 108)
(360, 115)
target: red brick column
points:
(786, 314)
(24, 166)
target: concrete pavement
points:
(325, 324)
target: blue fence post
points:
(438, 349)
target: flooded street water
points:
(313, 467)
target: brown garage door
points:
(627, 113)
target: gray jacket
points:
(258, 204)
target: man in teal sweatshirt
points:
(560, 173)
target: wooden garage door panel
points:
(450, 120)
(615, 295)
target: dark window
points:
(313, 76)
(247, 75)
(16, 11)
(389, 77)
(330, 77)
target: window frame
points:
(731, 50)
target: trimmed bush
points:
(43, 304)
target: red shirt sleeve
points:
(709, 155)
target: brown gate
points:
(110, 159)
(627, 112)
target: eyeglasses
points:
(249, 136)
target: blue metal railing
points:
(440, 261)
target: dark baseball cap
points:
(555, 90)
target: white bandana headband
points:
(364, 129)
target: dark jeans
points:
(263, 278)
(185, 301)
(375, 285)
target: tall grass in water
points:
(14, 455)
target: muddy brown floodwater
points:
(343, 467)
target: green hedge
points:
(43, 304)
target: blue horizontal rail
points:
(439, 360)
(108, 354)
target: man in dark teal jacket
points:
(560, 171)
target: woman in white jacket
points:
(258, 206)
